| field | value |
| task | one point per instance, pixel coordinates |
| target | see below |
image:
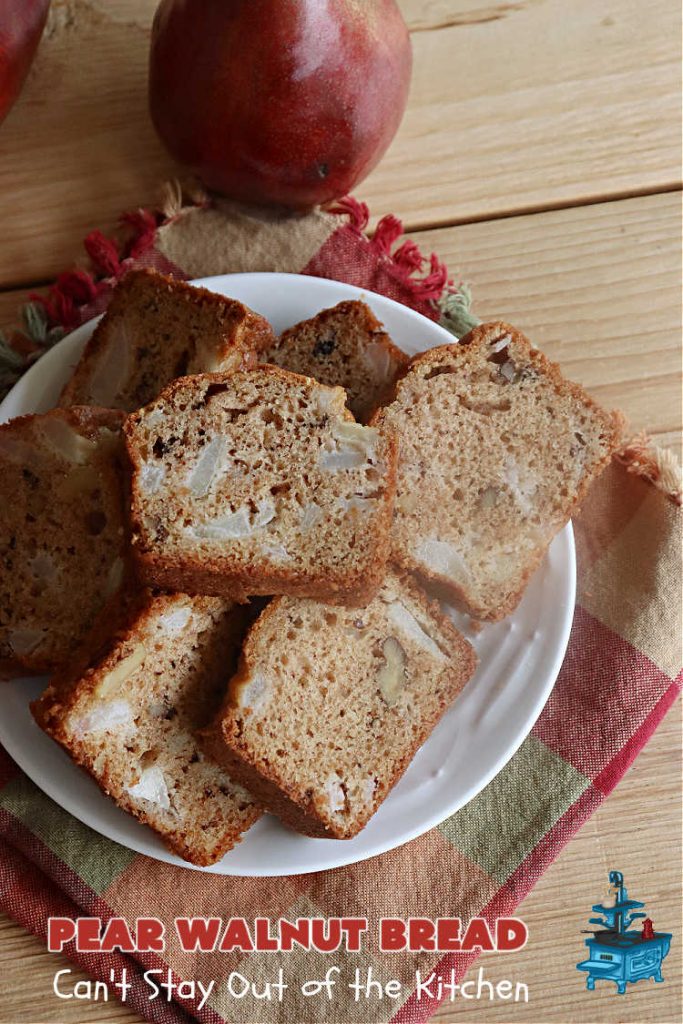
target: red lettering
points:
(291, 933)
(117, 936)
(392, 934)
(354, 928)
(60, 930)
(326, 940)
(198, 933)
(236, 936)
(149, 935)
(511, 933)
(477, 935)
(448, 934)
(264, 940)
(88, 934)
(421, 931)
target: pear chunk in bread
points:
(345, 346)
(260, 482)
(63, 544)
(129, 720)
(330, 705)
(156, 329)
(497, 450)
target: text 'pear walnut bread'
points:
(496, 451)
(260, 482)
(156, 329)
(130, 718)
(63, 544)
(330, 704)
(344, 346)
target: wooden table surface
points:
(540, 156)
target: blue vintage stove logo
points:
(617, 954)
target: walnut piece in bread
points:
(330, 705)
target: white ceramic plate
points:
(519, 659)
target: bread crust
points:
(230, 578)
(115, 631)
(87, 421)
(240, 347)
(224, 740)
(298, 349)
(467, 350)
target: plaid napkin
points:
(620, 676)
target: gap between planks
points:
(532, 210)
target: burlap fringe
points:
(175, 199)
(658, 465)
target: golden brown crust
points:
(225, 742)
(112, 625)
(116, 635)
(197, 577)
(245, 334)
(88, 418)
(65, 521)
(46, 714)
(231, 578)
(454, 358)
(340, 347)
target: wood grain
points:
(597, 288)
(636, 830)
(513, 106)
(78, 148)
(531, 104)
(26, 977)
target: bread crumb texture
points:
(345, 346)
(156, 329)
(63, 545)
(130, 721)
(496, 450)
(260, 482)
(330, 704)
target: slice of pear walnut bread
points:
(497, 450)
(156, 329)
(129, 720)
(260, 482)
(63, 544)
(330, 705)
(344, 346)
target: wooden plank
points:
(537, 103)
(11, 303)
(27, 971)
(79, 148)
(513, 106)
(555, 913)
(596, 287)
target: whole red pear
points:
(21, 26)
(287, 102)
